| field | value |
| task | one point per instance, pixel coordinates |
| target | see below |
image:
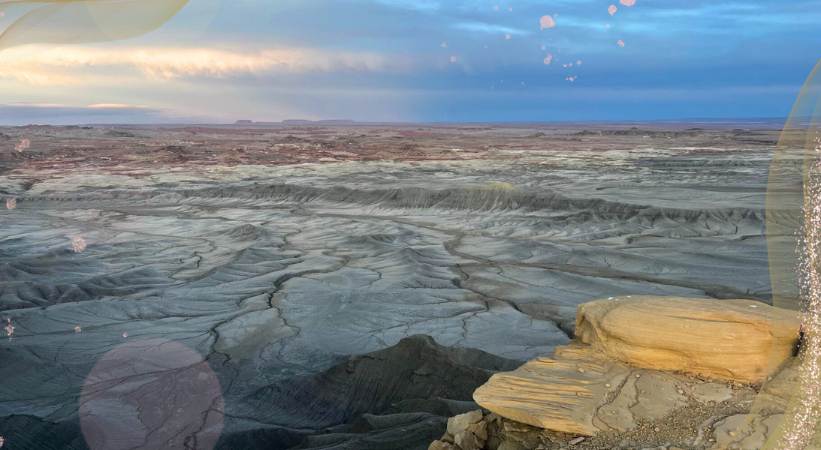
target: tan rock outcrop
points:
(457, 424)
(634, 360)
(557, 394)
(582, 392)
(464, 432)
(739, 340)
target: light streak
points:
(805, 413)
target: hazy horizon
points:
(768, 121)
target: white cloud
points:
(42, 65)
(482, 27)
(112, 106)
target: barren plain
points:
(261, 278)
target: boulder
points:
(738, 340)
(479, 430)
(466, 431)
(439, 445)
(457, 424)
(466, 440)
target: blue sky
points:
(426, 60)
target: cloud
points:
(379, 59)
(488, 28)
(416, 5)
(114, 106)
(40, 65)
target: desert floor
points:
(240, 268)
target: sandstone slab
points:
(739, 340)
(634, 359)
(557, 394)
(582, 392)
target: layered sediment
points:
(735, 340)
(279, 254)
(634, 378)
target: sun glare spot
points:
(547, 22)
(24, 144)
(78, 244)
(9, 328)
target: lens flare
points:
(547, 22)
(86, 21)
(78, 244)
(794, 222)
(9, 328)
(22, 146)
(151, 394)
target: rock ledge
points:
(637, 362)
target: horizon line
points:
(350, 122)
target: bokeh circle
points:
(150, 394)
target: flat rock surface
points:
(581, 391)
(752, 432)
(562, 394)
(737, 340)
(588, 388)
(650, 410)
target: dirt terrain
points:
(278, 255)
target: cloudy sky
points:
(418, 60)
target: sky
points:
(219, 61)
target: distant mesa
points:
(313, 122)
(297, 122)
